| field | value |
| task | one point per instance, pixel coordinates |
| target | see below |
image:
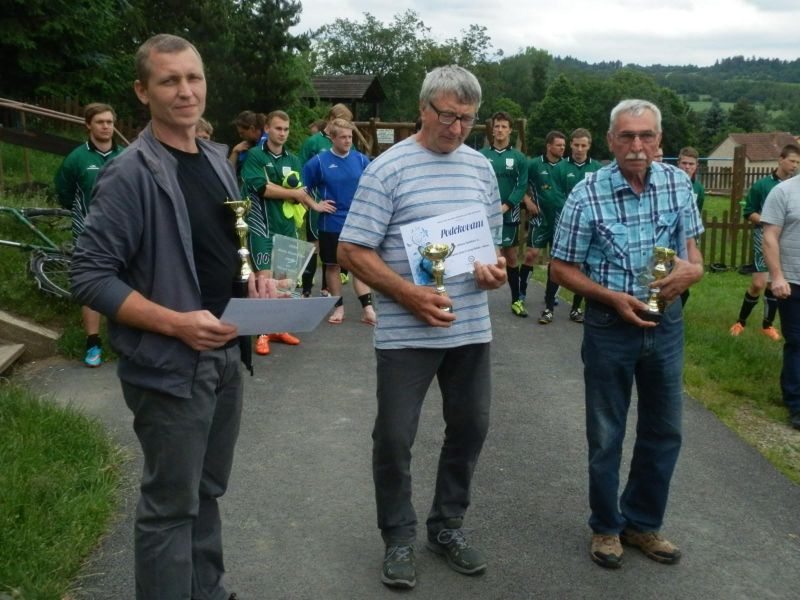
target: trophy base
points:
(651, 316)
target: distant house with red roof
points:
(763, 149)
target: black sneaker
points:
(460, 556)
(399, 570)
(546, 317)
(576, 316)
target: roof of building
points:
(763, 146)
(349, 87)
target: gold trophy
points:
(662, 259)
(240, 209)
(437, 253)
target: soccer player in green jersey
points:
(543, 190)
(264, 172)
(688, 161)
(565, 176)
(787, 166)
(511, 169)
(74, 182)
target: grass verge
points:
(58, 486)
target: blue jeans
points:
(615, 354)
(790, 327)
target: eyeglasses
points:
(447, 117)
(627, 137)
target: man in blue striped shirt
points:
(416, 339)
(603, 250)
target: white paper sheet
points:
(467, 229)
(254, 316)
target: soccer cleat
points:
(262, 345)
(518, 308)
(576, 316)
(771, 333)
(94, 357)
(344, 278)
(284, 338)
(736, 329)
(546, 317)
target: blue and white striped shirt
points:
(405, 184)
(611, 231)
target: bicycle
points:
(49, 262)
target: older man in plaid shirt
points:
(603, 249)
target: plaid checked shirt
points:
(611, 231)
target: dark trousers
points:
(790, 327)
(188, 453)
(404, 377)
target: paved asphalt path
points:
(299, 518)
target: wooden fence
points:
(719, 180)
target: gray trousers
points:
(404, 377)
(188, 453)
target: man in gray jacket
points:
(159, 256)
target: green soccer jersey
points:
(758, 193)
(540, 179)
(266, 217)
(511, 169)
(75, 180)
(319, 142)
(699, 195)
(569, 173)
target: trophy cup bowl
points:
(240, 208)
(662, 259)
(437, 253)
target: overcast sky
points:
(675, 32)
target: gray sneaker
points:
(453, 545)
(399, 570)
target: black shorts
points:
(328, 243)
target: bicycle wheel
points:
(51, 272)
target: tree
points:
(744, 116)
(715, 127)
(523, 77)
(252, 61)
(59, 47)
(392, 52)
(398, 53)
(561, 109)
(789, 120)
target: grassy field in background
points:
(700, 106)
(58, 483)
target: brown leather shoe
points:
(606, 550)
(654, 546)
